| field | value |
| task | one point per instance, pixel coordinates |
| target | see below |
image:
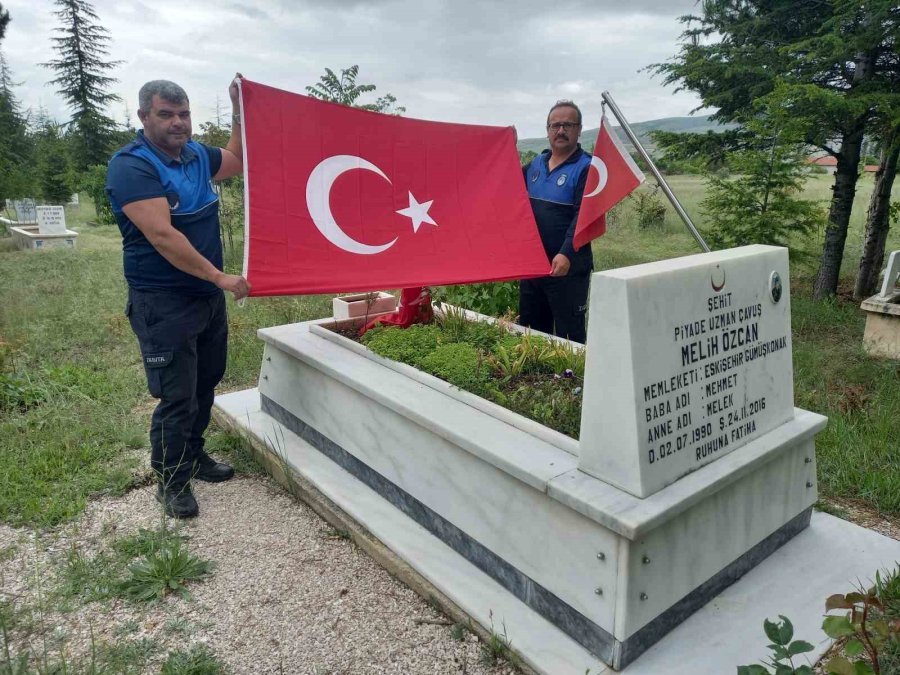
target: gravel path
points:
(288, 594)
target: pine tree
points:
(81, 67)
(4, 20)
(16, 179)
(52, 163)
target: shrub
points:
(493, 299)
(459, 364)
(650, 209)
(409, 345)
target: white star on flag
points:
(417, 212)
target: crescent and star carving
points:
(318, 194)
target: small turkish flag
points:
(613, 177)
(341, 199)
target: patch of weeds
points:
(198, 660)
(126, 628)
(409, 345)
(832, 509)
(144, 542)
(92, 579)
(337, 533)
(19, 393)
(164, 570)
(498, 648)
(178, 626)
(459, 364)
(235, 450)
(458, 632)
(126, 656)
(8, 552)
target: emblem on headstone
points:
(775, 287)
(717, 278)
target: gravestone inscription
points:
(25, 211)
(714, 371)
(51, 219)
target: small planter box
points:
(363, 305)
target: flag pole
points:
(656, 174)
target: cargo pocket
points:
(155, 364)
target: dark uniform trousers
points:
(555, 305)
(183, 342)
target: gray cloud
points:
(489, 62)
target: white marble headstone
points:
(687, 360)
(25, 210)
(891, 274)
(73, 200)
(51, 219)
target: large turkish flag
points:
(340, 199)
(613, 176)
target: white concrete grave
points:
(73, 200)
(606, 547)
(51, 219)
(882, 335)
(694, 357)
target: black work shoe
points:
(208, 469)
(178, 502)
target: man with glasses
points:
(555, 180)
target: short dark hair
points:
(565, 103)
(165, 89)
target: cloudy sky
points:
(487, 61)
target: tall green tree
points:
(878, 217)
(759, 202)
(51, 160)
(4, 21)
(825, 62)
(16, 178)
(346, 91)
(82, 80)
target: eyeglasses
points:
(556, 126)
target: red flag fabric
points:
(613, 177)
(415, 307)
(340, 199)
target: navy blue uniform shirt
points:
(142, 171)
(556, 199)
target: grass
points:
(68, 352)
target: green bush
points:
(409, 345)
(494, 299)
(459, 364)
(94, 183)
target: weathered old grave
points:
(50, 231)
(882, 334)
(693, 466)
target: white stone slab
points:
(25, 211)
(891, 275)
(690, 360)
(51, 219)
(727, 632)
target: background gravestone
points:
(51, 219)
(25, 211)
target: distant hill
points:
(696, 125)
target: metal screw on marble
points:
(645, 560)
(268, 358)
(601, 556)
(808, 484)
(598, 591)
(807, 461)
(265, 377)
(643, 596)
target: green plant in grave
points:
(783, 648)
(460, 364)
(870, 626)
(409, 345)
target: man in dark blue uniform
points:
(555, 180)
(161, 191)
